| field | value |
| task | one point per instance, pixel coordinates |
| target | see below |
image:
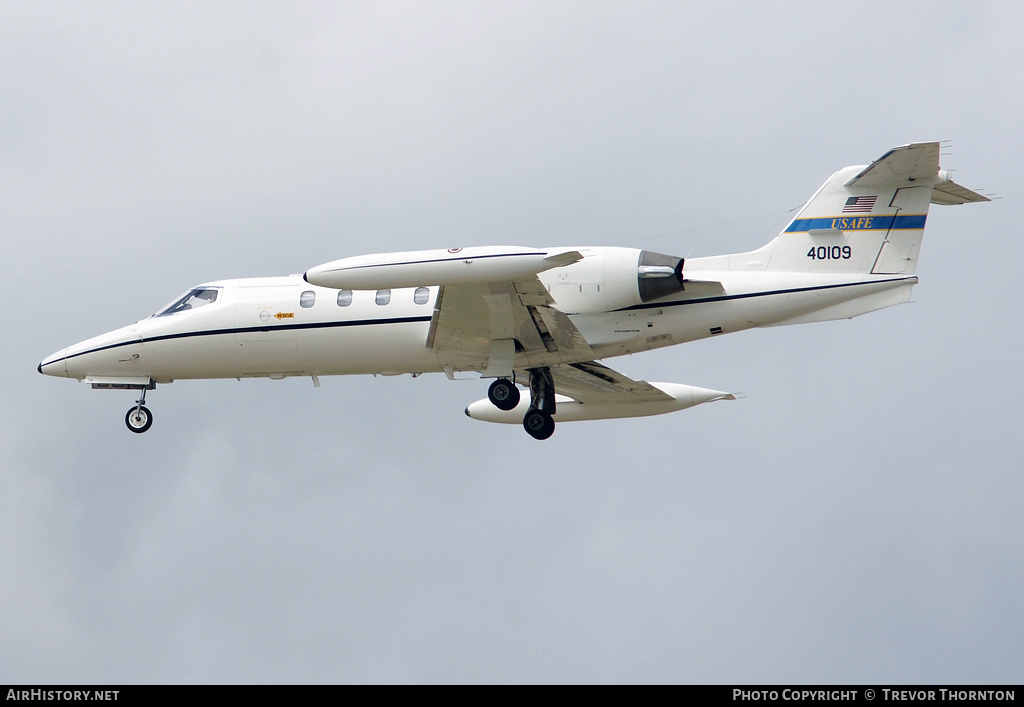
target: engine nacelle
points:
(608, 279)
(658, 275)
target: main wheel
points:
(139, 419)
(503, 394)
(538, 424)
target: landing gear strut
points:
(538, 422)
(139, 418)
(503, 394)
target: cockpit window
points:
(193, 299)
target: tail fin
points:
(867, 219)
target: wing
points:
(588, 390)
(593, 383)
(492, 312)
(484, 326)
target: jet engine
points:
(658, 275)
(609, 279)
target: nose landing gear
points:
(139, 418)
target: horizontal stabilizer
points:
(950, 193)
(900, 166)
(911, 165)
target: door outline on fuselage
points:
(265, 341)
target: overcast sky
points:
(856, 517)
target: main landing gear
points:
(538, 421)
(139, 418)
(503, 394)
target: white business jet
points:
(539, 317)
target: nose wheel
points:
(139, 418)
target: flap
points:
(468, 318)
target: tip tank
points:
(438, 267)
(569, 410)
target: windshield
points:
(193, 299)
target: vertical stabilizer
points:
(868, 219)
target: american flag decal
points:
(860, 204)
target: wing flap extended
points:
(469, 318)
(532, 293)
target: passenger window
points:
(307, 298)
(344, 298)
(383, 297)
(421, 295)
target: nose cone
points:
(55, 365)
